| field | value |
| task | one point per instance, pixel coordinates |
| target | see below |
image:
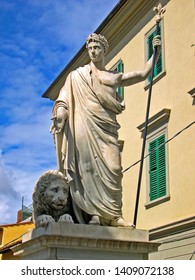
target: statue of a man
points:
(86, 133)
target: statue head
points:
(93, 37)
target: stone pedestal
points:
(60, 241)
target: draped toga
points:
(89, 150)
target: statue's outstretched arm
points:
(131, 78)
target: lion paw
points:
(66, 218)
(43, 220)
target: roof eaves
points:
(16, 224)
(7, 247)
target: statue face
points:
(96, 51)
(56, 194)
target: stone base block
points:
(60, 241)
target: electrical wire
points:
(135, 163)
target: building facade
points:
(11, 235)
(166, 204)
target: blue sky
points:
(38, 38)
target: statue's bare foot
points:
(120, 222)
(95, 220)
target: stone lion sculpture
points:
(51, 201)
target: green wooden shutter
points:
(120, 68)
(157, 168)
(158, 66)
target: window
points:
(157, 168)
(157, 188)
(159, 66)
(119, 67)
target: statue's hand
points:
(66, 218)
(157, 43)
(59, 120)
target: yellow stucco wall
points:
(13, 232)
(171, 92)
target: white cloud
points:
(9, 197)
(5, 211)
(70, 22)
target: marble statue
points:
(85, 130)
(51, 199)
